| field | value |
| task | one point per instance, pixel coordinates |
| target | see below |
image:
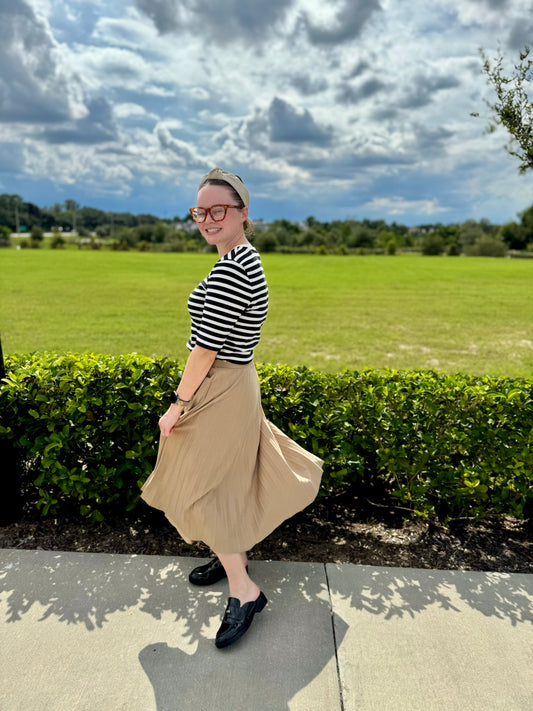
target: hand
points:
(169, 420)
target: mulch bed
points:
(339, 529)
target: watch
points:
(176, 400)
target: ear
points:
(244, 213)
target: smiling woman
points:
(225, 475)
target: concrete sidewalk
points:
(110, 632)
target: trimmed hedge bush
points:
(85, 428)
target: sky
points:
(339, 109)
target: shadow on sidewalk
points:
(395, 592)
(287, 648)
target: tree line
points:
(88, 226)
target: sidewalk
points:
(116, 632)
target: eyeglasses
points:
(217, 212)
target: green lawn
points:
(473, 315)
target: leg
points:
(245, 600)
(240, 584)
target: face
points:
(230, 231)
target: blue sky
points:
(340, 109)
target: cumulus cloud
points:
(360, 68)
(307, 85)
(521, 33)
(288, 124)
(349, 94)
(33, 84)
(395, 205)
(350, 20)
(130, 109)
(493, 4)
(317, 97)
(97, 127)
(431, 140)
(123, 32)
(182, 153)
(423, 88)
(225, 21)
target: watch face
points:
(174, 397)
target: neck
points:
(223, 249)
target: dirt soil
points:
(340, 529)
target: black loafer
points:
(237, 619)
(209, 573)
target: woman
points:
(224, 474)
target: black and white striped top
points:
(229, 306)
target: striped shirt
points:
(229, 306)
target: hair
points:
(248, 225)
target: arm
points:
(198, 364)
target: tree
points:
(37, 233)
(432, 245)
(11, 210)
(513, 235)
(526, 221)
(513, 109)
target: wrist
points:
(175, 399)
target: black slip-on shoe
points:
(237, 619)
(209, 573)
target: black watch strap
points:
(176, 400)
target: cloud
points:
(225, 20)
(182, 153)
(286, 123)
(423, 88)
(322, 99)
(349, 94)
(395, 205)
(113, 67)
(97, 127)
(34, 85)
(521, 33)
(349, 22)
(431, 141)
(360, 68)
(308, 85)
(124, 32)
(492, 4)
(132, 110)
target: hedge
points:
(445, 446)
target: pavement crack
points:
(339, 681)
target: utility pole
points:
(17, 221)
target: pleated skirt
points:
(226, 475)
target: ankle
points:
(247, 592)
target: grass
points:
(473, 315)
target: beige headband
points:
(233, 180)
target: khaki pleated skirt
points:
(226, 475)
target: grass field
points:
(473, 315)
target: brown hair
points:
(248, 225)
